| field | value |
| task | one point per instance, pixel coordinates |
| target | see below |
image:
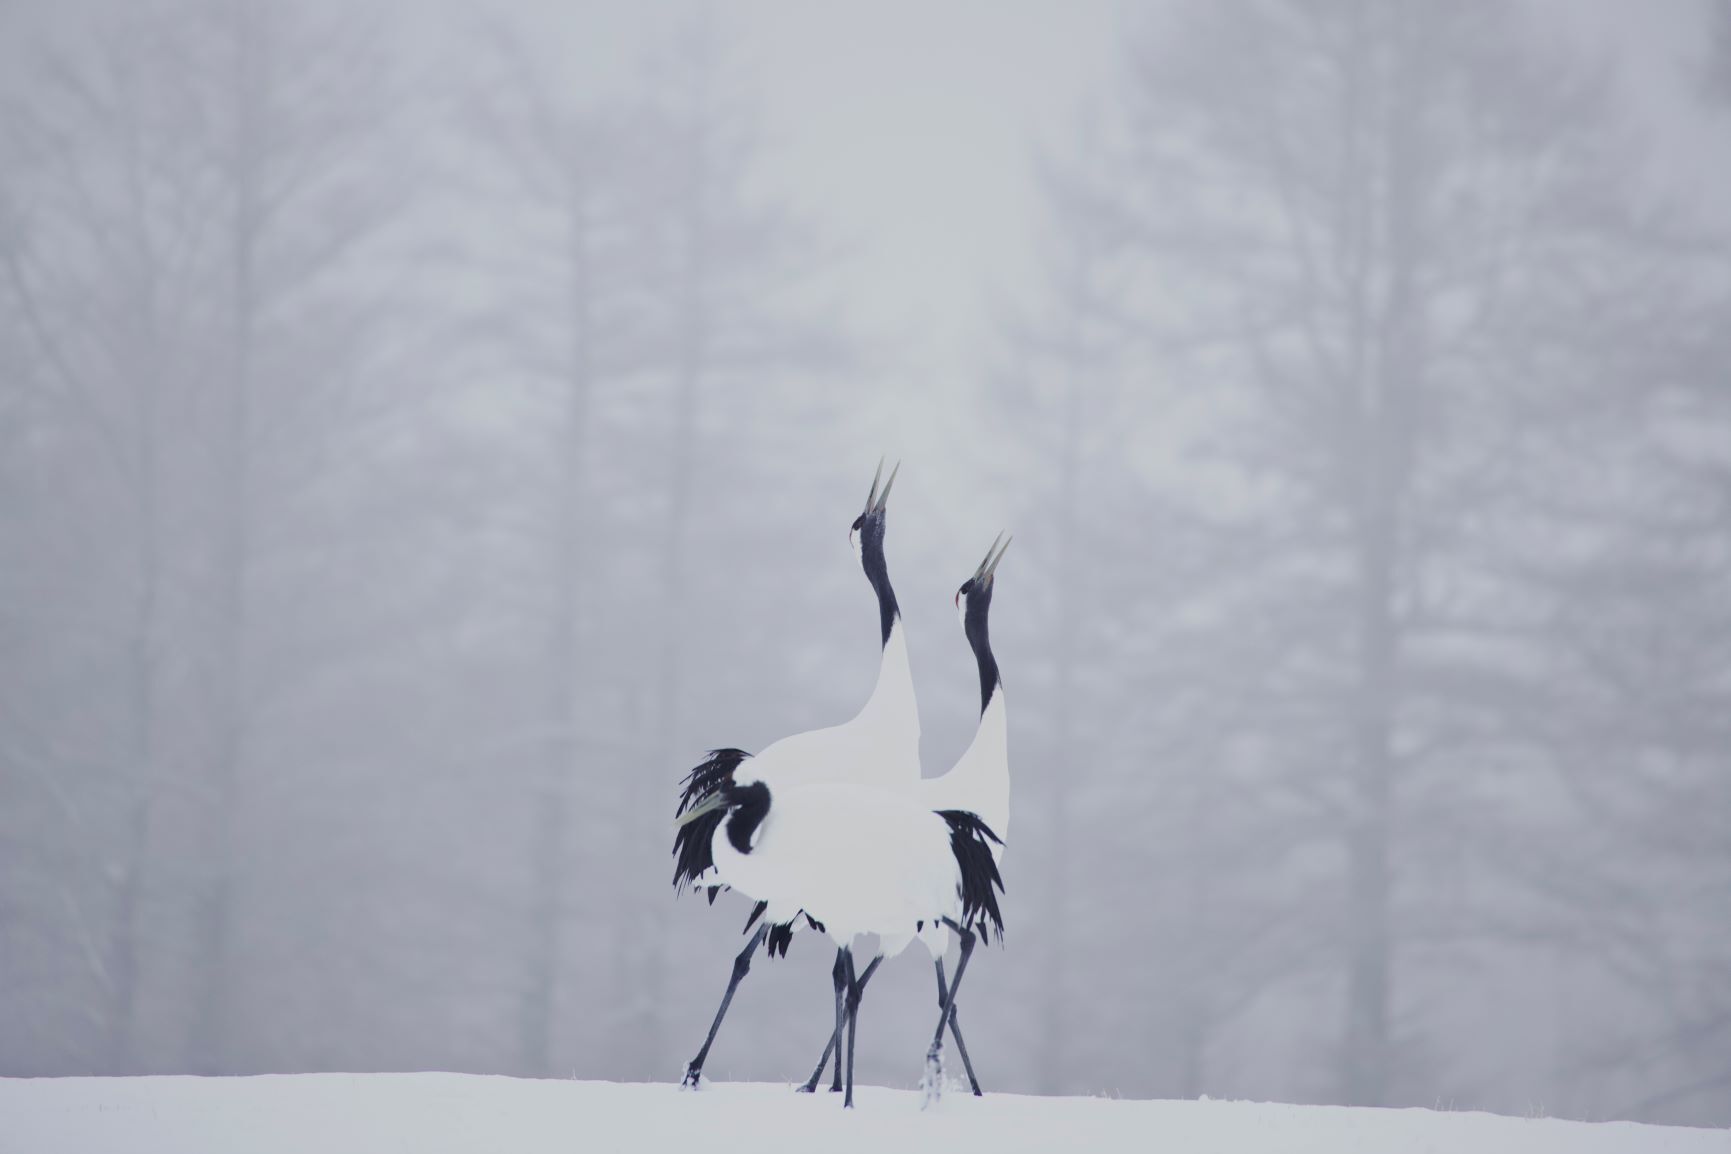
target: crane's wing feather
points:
(692, 856)
(971, 842)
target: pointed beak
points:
(883, 497)
(872, 497)
(708, 805)
(875, 499)
(1005, 548)
(987, 559)
(990, 564)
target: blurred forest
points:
(412, 461)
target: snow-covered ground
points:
(432, 1113)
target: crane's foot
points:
(693, 1076)
(932, 1081)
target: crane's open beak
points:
(986, 560)
(709, 804)
(875, 500)
(990, 564)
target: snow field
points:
(436, 1113)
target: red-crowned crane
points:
(978, 783)
(878, 748)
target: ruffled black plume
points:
(691, 841)
(979, 872)
(780, 936)
(707, 777)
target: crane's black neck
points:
(878, 573)
(974, 625)
(750, 805)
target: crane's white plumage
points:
(878, 747)
(859, 860)
(979, 782)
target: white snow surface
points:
(433, 1113)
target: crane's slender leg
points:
(866, 976)
(840, 1020)
(835, 1041)
(855, 988)
(933, 1081)
(852, 1005)
(741, 967)
(839, 974)
(956, 1031)
(967, 940)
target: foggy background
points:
(426, 428)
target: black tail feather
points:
(691, 841)
(781, 936)
(708, 775)
(971, 841)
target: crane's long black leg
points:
(839, 974)
(855, 989)
(866, 976)
(934, 1064)
(956, 1031)
(741, 967)
(852, 1005)
(840, 1015)
(949, 1008)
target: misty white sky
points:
(905, 127)
(902, 128)
(905, 130)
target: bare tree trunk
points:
(692, 348)
(233, 545)
(1196, 985)
(1387, 377)
(553, 798)
(140, 771)
(1055, 1018)
(1366, 1051)
(645, 957)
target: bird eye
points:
(858, 521)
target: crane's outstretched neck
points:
(979, 782)
(974, 625)
(878, 573)
(890, 715)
